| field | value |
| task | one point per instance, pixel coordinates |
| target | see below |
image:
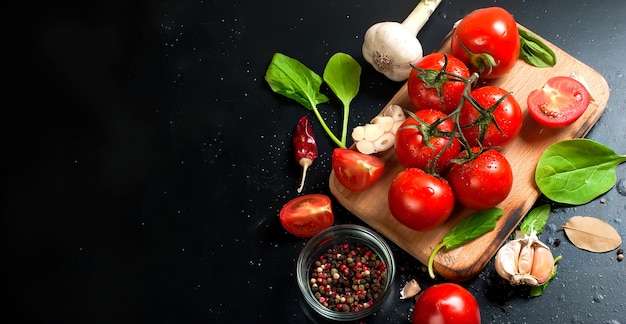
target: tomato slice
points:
(307, 215)
(560, 102)
(356, 171)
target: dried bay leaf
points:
(592, 234)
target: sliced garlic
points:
(372, 132)
(383, 122)
(411, 289)
(366, 147)
(384, 142)
(380, 133)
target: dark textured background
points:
(146, 159)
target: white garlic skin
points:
(390, 48)
(525, 261)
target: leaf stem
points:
(431, 259)
(325, 127)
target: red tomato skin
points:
(411, 150)
(420, 201)
(424, 97)
(508, 115)
(446, 303)
(490, 30)
(356, 171)
(307, 215)
(559, 103)
(483, 182)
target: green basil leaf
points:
(292, 79)
(576, 171)
(535, 220)
(342, 74)
(535, 52)
(472, 227)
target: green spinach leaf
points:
(342, 74)
(535, 220)
(535, 52)
(468, 229)
(576, 171)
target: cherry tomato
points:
(356, 171)
(488, 41)
(307, 215)
(446, 303)
(482, 182)
(410, 146)
(419, 200)
(560, 102)
(507, 115)
(428, 89)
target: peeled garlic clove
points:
(366, 147)
(372, 132)
(384, 142)
(358, 133)
(411, 289)
(543, 264)
(525, 260)
(383, 122)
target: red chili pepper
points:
(306, 148)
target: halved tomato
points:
(560, 102)
(356, 171)
(307, 215)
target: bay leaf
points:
(592, 234)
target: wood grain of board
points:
(467, 261)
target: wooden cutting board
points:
(468, 260)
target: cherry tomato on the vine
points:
(488, 41)
(446, 303)
(507, 115)
(419, 200)
(482, 182)
(307, 215)
(560, 102)
(410, 146)
(428, 88)
(356, 171)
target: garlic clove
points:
(384, 122)
(396, 126)
(395, 112)
(358, 133)
(411, 289)
(366, 147)
(543, 264)
(372, 132)
(525, 261)
(506, 259)
(384, 142)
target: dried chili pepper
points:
(306, 148)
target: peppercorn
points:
(348, 278)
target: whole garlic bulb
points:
(525, 261)
(380, 133)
